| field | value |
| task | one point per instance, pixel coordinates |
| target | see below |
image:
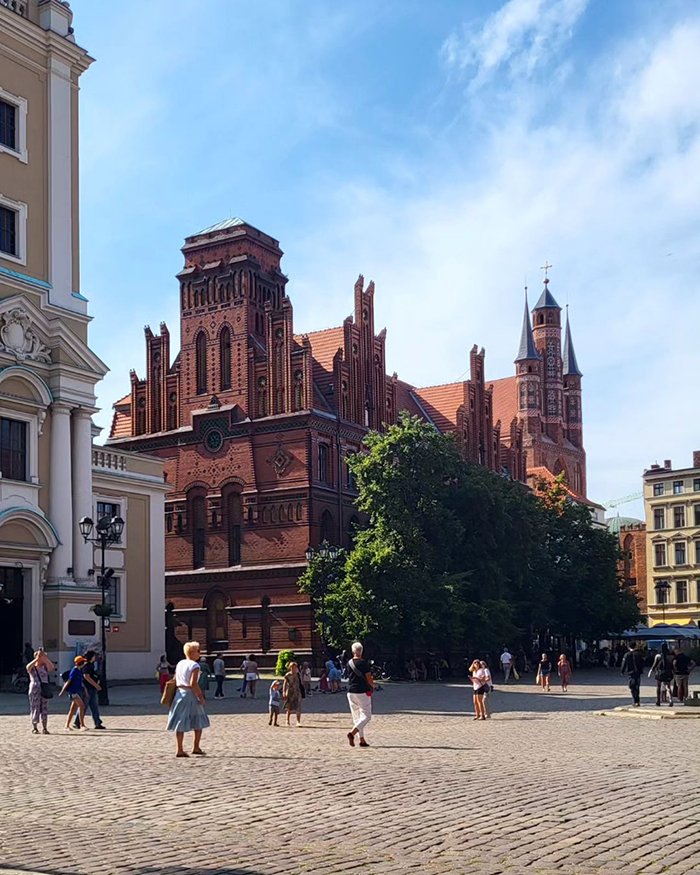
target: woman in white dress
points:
(187, 712)
(251, 674)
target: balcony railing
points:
(16, 6)
(105, 459)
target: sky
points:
(444, 149)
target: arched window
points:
(299, 511)
(290, 512)
(225, 357)
(199, 531)
(627, 549)
(233, 515)
(281, 513)
(323, 468)
(201, 363)
(217, 621)
(560, 468)
(326, 526)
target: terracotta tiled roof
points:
(505, 403)
(404, 401)
(324, 346)
(121, 425)
(442, 402)
(545, 473)
(125, 400)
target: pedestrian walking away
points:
(251, 675)
(219, 675)
(163, 672)
(204, 676)
(75, 688)
(293, 692)
(662, 670)
(564, 671)
(38, 670)
(360, 688)
(682, 666)
(488, 689)
(544, 670)
(506, 664)
(187, 712)
(275, 702)
(633, 666)
(91, 686)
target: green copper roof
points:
(221, 226)
(615, 523)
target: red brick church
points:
(255, 424)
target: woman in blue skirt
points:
(187, 712)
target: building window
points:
(697, 552)
(225, 355)
(350, 478)
(8, 125)
(199, 531)
(13, 449)
(679, 517)
(659, 518)
(696, 484)
(678, 487)
(696, 514)
(661, 592)
(201, 363)
(323, 471)
(659, 554)
(658, 489)
(326, 527)
(680, 554)
(8, 231)
(113, 595)
(234, 512)
(681, 592)
(110, 510)
(13, 125)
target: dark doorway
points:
(11, 617)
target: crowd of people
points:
(184, 686)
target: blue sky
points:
(444, 149)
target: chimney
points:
(696, 458)
(667, 463)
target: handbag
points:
(515, 674)
(169, 691)
(46, 687)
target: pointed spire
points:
(571, 368)
(527, 350)
(546, 299)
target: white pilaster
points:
(82, 488)
(60, 186)
(60, 491)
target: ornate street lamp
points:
(107, 532)
(662, 588)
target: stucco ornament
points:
(17, 337)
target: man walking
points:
(506, 664)
(633, 666)
(360, 688)
(682, 666)
(219, 676)
(92, 688)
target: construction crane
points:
(616, 502)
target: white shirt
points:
(506, 658)
(219, 667)
(479, 678)
(184, 671)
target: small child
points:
(275, 702)
(323, 681)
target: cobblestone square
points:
(545, 786)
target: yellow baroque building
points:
(51, 475)
(672, 507)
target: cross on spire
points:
(545, 267)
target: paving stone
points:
(546, 786)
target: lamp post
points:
(325, 551)
(108, 531)
(662, 588)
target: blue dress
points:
(186, 712)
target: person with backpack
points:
(360, 688)
(633, 666)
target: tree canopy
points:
(454, 556)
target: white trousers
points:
(361, 710)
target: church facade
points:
(254, 424)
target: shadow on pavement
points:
(141, 870)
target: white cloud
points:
(521, 34)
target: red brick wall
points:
(633, 566)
